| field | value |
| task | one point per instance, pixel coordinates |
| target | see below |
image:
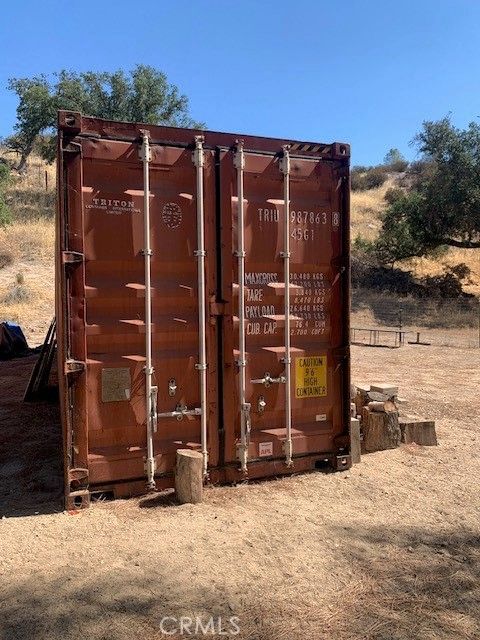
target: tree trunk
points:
(189, 476)
(22, 165)
(381, 430)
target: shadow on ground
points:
(393, 310)
(404, 585)
(417, 584)
(31, 471)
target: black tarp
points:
(12, 342)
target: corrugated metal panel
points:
(101, 303)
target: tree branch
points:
(462, 244)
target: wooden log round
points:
(189, 476)
(388, 406)
(381, 431)
(355, 441)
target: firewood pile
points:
(379, 424)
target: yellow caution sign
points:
(311, 377)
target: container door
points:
(109, 418)
(284, 415)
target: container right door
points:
(318, 249)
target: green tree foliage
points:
(142, 95)
(394, 161)
(396, 240)
(393, 194)
(5, 214)
(443, 206)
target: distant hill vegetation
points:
(27, 205)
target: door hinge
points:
(72, 149)
(217, 308)
(79, 476)
(72, 258)
(73, 367)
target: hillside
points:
(366, 212)
(27, 245)
(26, 250)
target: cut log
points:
(364, 398)
(364, 416)
(189, 476)
(388, 406)
(361, 399)
(387, 389)
(418, 430)
(355, 443)
(381, 430)
(362, 387)
(375, 396)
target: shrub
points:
(393, 194)
(370, 179)
(362, 245)
(375, 178)
(356, 181)
(17, 293)
(4, 173)
(460, 271)
(5, 214)
(6, 259)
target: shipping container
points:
(202, 293)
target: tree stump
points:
(189, 476)
(355, 444)
(381, 430)
(418, 430)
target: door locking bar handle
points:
(179, 412)
(267, 380)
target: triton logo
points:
(104, 202)
(115, 206)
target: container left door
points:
(105, 311)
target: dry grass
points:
(366, 210)
(31, 303)
(29, 243)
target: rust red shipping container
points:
(202, 302)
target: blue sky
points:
(359, 71)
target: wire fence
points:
(383, 319)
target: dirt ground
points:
(388, 550)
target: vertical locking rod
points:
(202, 341)
(285, 168)
(239, 162)
(150, 409)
